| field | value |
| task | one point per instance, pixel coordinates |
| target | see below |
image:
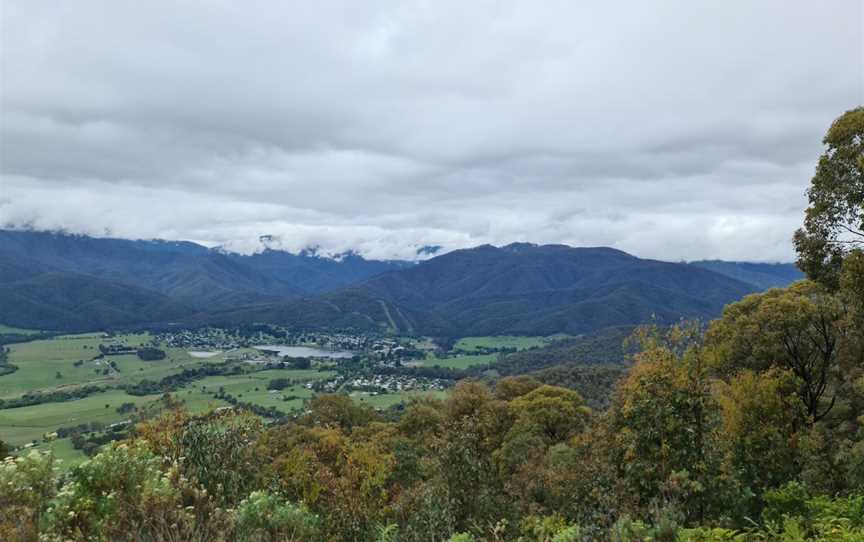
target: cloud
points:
(675, 130)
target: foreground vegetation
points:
(699, 443)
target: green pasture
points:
(386, 400)
(21, 331)
(64, 452)
(469, 344)
(459, 362)
(39, 362)
(21, 425)
(252, 387)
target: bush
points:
(120, 491)
(149, 353)
(27, 483)
(266, 517)
(278, 384)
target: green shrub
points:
(27, 483)
(120, 492)
(266, 517)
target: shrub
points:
(121, 492)
(266, 517)
(27, 483)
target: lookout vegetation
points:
(749, 427)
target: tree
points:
(148, 353)
(665, 420)
(302, 363)
(759, 431)
(834, 221)
(554, 413)
(337, 411)
(800, 328)
(511, 387)
(216, 452)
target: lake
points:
(305, 352)
(204, 354)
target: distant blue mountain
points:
(518, 289)
(191, 277)
(74, 282)
(762, 275)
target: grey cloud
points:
(671, 129)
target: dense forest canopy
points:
(747, 428)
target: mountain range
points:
(73, 283)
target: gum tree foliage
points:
(834, 221)
(802, 329)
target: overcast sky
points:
(674, 130)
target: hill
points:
(763, 275)
(524, 289)
(189, 274)
(74, 302)
(518, 289)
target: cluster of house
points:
(204, 338)
(116, 348)
(380, 384)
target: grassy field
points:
(469, 344)
(39, 363)
(64, 452)
(9, 329)
(50, 365)
(459, 362)
(386, 400)
(21, 425)
(252, 388)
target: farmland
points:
(470, 351)
(471, 344)
(21, 425)
(89, 381)
(17, 330)
(66, 362)
(459, 361)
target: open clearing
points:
(21, 425)
(21, 331)
(252, 387)
(459, 362)
(39, 363)
(386, 400)
(71, 361)
(469, 344)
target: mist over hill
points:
(520, 289)
(73, 282)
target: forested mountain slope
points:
(763, 275)
(520, 289)
(525, 289)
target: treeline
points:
(14, 338)
(6, 367)
(184, 377)
(595, 383)
(57, 396)
(603, 347)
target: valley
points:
(100, 334)
(70, 390)
(68, 283)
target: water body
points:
(204, 354)
(305, 352)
